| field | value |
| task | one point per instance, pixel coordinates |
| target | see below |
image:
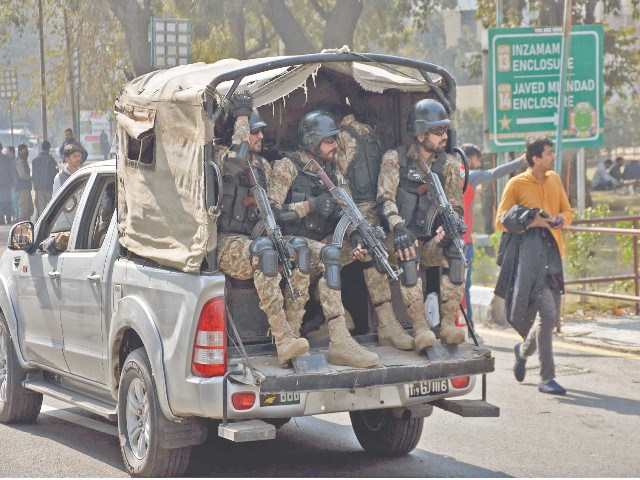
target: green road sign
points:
(524, 82)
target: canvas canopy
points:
(162, 131)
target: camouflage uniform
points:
(343, 350)
(389, 330)
(430, 254)
(234, 258)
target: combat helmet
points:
(315, 126)
(424, 115)
(255, 120)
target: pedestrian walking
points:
(23, 183)
(533, 207)
(45, 169)
(73, 159)
(70, 140)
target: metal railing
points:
(635, 232)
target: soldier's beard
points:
(432, 148)
(256, 147)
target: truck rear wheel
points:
(17, 404)
(139, 418)
(380, 432)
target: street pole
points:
(563, 91)
(42, 79)
(78, 91)
(67, 40)
(11, 120)
(580, 180)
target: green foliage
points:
(470, 126)
(581, 246)
(623, 124)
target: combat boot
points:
(390, 332)
(344, 350)
(294, 319)
(422, 334)
(287, 345)
(449, 333)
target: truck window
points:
(97, 214)
(66, 213)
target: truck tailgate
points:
(394, 367)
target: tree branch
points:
(287, 27)
(323, 13)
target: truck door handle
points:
(54, 275)
(93, 278)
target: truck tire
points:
(380, 432)
(17, 404)
(139, 419)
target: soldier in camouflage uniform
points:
(293, 188)
(238, 256)
(402, 203)
(357, 160)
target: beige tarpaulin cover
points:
(161, 200)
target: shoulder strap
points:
(402, 156)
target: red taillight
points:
(460, 382)
(210, 346)
(243, 401)
(460, 321)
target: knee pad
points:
(409, 275)
(457, 270)
(301, 248)
(262, 248)
(332, 259)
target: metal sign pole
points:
(564, 90)
(580, 180)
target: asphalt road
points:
(587, 433)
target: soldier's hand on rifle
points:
(324, 205)
(440, 235)
(357, 243)
(404, 242)
(241, 104)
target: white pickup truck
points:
(172, 354)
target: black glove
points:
(402, 237)
(241, 104)
(355, 238)
(324, 205)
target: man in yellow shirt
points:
(533, 208)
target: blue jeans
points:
(467, 285)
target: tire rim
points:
(4, 339)
(138, 418)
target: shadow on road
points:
(623, 406)
(311, 447)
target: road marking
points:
(569, 346)
(62, 414)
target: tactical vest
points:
(413, 207)
(304, 187)
(363, 171)
(235, 216)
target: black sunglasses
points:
(330, 140)
(256, 131)
(439, 131)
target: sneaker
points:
(551, 387)
(519, 368)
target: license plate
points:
(276, 399)
(428, 387)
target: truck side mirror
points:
(21, 236)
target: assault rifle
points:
(450, 222)
(268, 223)
(372, 236)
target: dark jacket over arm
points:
(530, 261)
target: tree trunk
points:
(238, 30)
(134, 17)
(289, 30)
(341, 24)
